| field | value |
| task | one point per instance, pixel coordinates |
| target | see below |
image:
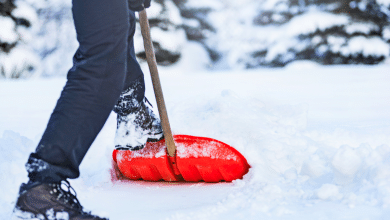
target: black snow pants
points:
(103, 66)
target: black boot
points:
(136, 122)
(49, 201)
(136, 128)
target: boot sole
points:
(24, 215)
(152, 139)
(156, 138)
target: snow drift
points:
(317, 140)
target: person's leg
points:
(136, 122)
(134, 71)
(134, 85)
(94, 84)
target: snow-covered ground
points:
(317, 139)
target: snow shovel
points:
(177, 157)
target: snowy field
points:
(317, 139)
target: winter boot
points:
(41, 201)
(136, 128)
(136, 122)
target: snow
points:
(383, 1)
(346, 162)
(212, 150)
(204, 4)
(194, 59)
(237, 38)
(386, 33)
(129, 134)
(312, 21)
(361, 28)
(52, 34)
(20, 62)
(164, 36)
(259, 33)
(372, 46)
(154, 11)
(272, 4)
(329, 191)
(317, 139)
(24, 10)
(174, 15)
(170, 27)
(249, 33)
(7, 31)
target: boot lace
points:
(64, 192)
(147, 101)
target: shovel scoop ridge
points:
(197, 159)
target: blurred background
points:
(37, 37)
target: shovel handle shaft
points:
(152, 63)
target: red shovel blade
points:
(150, 163)
(197, 159)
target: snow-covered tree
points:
(167, 32)
(197, 23)
(329, 32)
(252, 33)
(17, 58)
(39, 36)
(55, 40)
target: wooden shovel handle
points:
(152, 63)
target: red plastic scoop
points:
(197, 159)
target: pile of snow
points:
(317, 140)
(14, 153)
